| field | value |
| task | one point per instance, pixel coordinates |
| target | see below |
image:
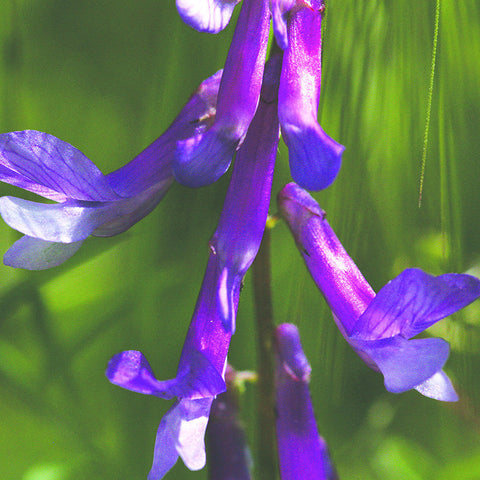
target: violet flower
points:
(302, 452)
(380, 327)
(204, 158)
(210, 16)
(90, 203)
(227, 451)
(314, 157)
(233, 248)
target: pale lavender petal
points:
(210, 16)
(315, 158)
(302, 453)
(74, 221)
(181, 433)
(405, 364)
(198, 379)
(50, 167)
(203, 159)
(438, 387)
(413, 301)
(335, 273)
(35, 254)
(60, 222)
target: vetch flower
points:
(210, 16)
(227, 451)
(203, 159)
(380, 326)
(90, 203)
(232, 250)
(302, 452)
(314, 157)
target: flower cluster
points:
(239, 111)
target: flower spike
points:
(380, 327)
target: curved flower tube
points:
(380, 326)
(90, 203)
(302, 452)
(210, 16)
(315, 158)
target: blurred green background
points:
(109, 77)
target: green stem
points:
(267, 451)
(429, 102)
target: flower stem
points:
(266, 451)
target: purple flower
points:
(314, 157)
(90, 203)
(199, 378)
(380, 327)
(302, 452)
(233, 248)
(204, 158)
(210, 16)
(227, 450)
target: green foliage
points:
(109, 77)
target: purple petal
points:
(302, 452)
(50, 167)
(130, 211)
(181, 433)
(153, 166)
(34, 254)
(198, 379)
(314, 157)
(438, 387)
(294, 361)
(204, 158)
(405, 364)
(210, 16)
(414, 301)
